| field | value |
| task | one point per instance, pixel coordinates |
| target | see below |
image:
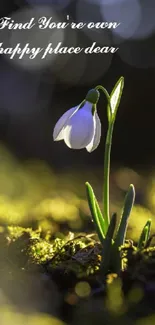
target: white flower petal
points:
(58, 133)
(97, 135)
(79, 129)
(87, 107)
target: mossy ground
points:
(45, 276)
(34, 268)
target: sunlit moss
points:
(14, 232)
(41, 251)
(38, 249)
(79, 254)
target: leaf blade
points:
(96, 213)
(122, 228)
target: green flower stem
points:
(107, 158)
(99, 87)
(106, 175)
(108, 242)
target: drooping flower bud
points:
(80, 126)
(93, 96)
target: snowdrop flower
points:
(80, 126)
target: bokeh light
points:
(146, 25)
(135, 295)
(94, 14)
(83, 289)
(96, 65)
(31, 192)
(127, 13)
(34, 37)
(140, 55)
(73, 70)
(23, 89)
(61, 69)
(10, 316)
(126, 176)
(105, 2)
(56, 4)
(116, 306)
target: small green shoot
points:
(144, 237)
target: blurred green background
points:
(33, 194)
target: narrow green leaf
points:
(106, 255)
(100, 216)
(96, 213)
(111, 227)
(144, 235)
(115, 97)
(122, 228)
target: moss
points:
(71, 256)
(24, 247)
(15, 232)
(78, 256)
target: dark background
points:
(32, 99)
